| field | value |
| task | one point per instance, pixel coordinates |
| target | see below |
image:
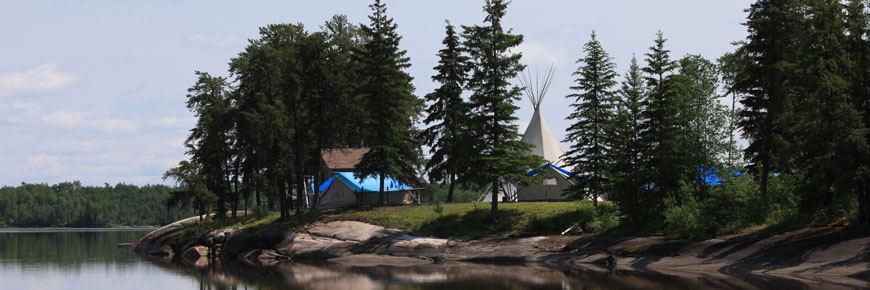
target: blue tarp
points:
(534, 172)
(369, 184)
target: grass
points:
(452, 220)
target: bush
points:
(682, 216)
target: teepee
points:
(538, 133)
(553, 179)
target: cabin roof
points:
(343, 158)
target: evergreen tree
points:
(858, 28)
(448, 136)
(627, 147)
(832, 133)
(388, 98)
(502, 154)
(593, 117)
(767, 57)
(660, 131)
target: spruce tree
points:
(448, 116)
(768, 58)
(388, 97)
(593, 117)
(660, 131)
(858, 28)
(832, 133)
(502, 154)
(627, 147)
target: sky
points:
(94, 90)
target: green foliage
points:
(388, 97)
(71, 204)
(449, 131)
(438, 208)
(464, 219)
(592, 132)
(492, 103)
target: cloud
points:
(113, 125)
(65, 119)
(537, 55)
(175, 122)
(44, 78)
(71, 120)
(211, 40)
(49, 163)
(176, 142)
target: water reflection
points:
(89, 259)
(457, 276)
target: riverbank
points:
(838, 252)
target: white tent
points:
(538, 133)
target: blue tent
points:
(369, 184)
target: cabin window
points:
(550, 181)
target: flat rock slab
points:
(307, 246)
(369, 260)
(347, 231)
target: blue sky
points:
(94, 90)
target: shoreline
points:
(63, 229)
(810, 252)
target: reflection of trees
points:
(457, 275)
(69, 250)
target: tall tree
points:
(335, 112)
(768, 56)
(448, 114)
(388, 97)
(590, 134)
(502, 154)
(703, 121)
(832, 134)
(858, 28)
(660, 131)
(211, 140)
(627, 147)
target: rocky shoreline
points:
(821, 253)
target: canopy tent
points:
(343, 189)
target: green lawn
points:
(453, 220)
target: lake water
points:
(89, 259)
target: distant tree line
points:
(71, 204)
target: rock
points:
(235, 245)
(348, 231)
(194, 253)
(218, 236)
(305, 246)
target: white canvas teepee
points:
(544, 144)
(538, 133)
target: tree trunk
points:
(863, 217)
(300, 177)
(493, 212)
(450, 191)
(381, 191)
(282, 204)
(765, 173)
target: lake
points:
(89, 259)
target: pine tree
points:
(448, 134)
(768, 55)
(502, 154)
(388, 97)
(593, 117)
(627, 147)
(858, 28)
(830, 126)
(660, 131)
